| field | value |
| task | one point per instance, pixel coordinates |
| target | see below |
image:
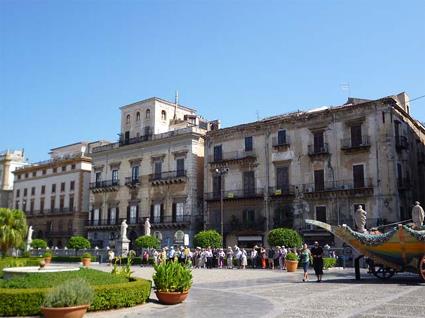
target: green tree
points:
(147, 241)
(78, 242)
(38, 243)
(13, 229)
(207, 238)
(283, 236)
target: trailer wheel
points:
(422, 268)
(382, 272)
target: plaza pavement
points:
(266, 293)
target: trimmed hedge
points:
(69, 259)
(25, 302)
(18, 262)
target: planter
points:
(86, 262)
(171, 298)
(47, 260)
(291, 266)
(64, 312)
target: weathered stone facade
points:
(54, 194)
(317, 164)
(154, 171)
(9, 162)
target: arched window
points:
(128, 119)
(163, 115)
(148, 113)
(137, 116)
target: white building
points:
(9, 162)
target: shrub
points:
(329, 262)
(208, 238)
(47, 254)
(172, 277)
(38, 243)
(291, 257)
(69, 259)
(283, 236)
(72, 293)
(87, 255)
(18, 262)
(147, 241)
(78, 243)
(26, 302)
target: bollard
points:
(357, 266)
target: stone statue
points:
(124, 227)
(147, 227)
(360, 219)
(29, 237)
(418, 215)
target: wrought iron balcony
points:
(105, 186)
(236, 194)
(102, 222)
(177, 176)
(161, 220)
(282, 191)
(351, 144)
(133, 181)
(59, 210)
(232, 156)
(338, 185)
(316, 150)
(135, 140)
(281, 142)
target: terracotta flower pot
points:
(291, 266)
(171, 298)
(47, 260)
(86, 262)
(64, 312)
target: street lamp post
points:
(221, 172)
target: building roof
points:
(160, 100)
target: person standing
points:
(254, 256)
(271, 257)
(229, 258)
(317, 253)
(221, 256)
(305, 257)
(244, 259)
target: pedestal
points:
(122, 247)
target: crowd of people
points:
(241, 258)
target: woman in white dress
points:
(244, 259)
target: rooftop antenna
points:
(258, 115)
(345, 86)
(176, 102)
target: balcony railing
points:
(104, 184)
(236, 194)
(58, 210)
(282, 191)
(349, 143)
(167, 175)
(401, 142)
(103, 222)
(132, 181)
(135, 140)
(281, 142)
(338, 185)
(161, 219)
(314, 150)
(232, 155)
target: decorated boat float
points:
(400, 249)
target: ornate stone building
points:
(54, 193)
(316, 164)
(154, 171)
(9, 161)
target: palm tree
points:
(13, 229)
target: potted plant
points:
(86, 259)
(70, 300)
(291, 262)
(172, 282)
(47, 257)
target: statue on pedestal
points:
(360, 219)
(29, 237)
(124, 227)
(418, 215)
(147, 227)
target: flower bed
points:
(23, 296)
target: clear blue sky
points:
(66, 66)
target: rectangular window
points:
(135, 173)
(73, 166)
(319, 142)
(17, 205)
(399, 175)
(61, 204)
(180, 167)
(32, 206)
(19, 177)
(216, 186)
(52, 204)
(248, 217)
(114, 176)
(133, 214)
(72, 185)
(112, 215)
(55, 170)
(71, 203)
(44, 171)
(33, 191)
(26, 175)
(63, 168)
(43, 189)
(358, 176)
(218, 153)
(319, 180)
(157, 213)
(18, 193)
(34, 173)
(249, 182)
(281, 137)
(63, 187)
(158, 169)
(96, 214)
(25, 192)
(54, 188)
(356, 135)
(179, 211)
(321, 214)
(42, 205)
(98, 178)
(248, 143)
(282, 179)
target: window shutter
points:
(100, 215)
(174, 212)
(128, 213)
(117, 215)
(152, 215)
(109, 215)
(162, 213)
(137, 213)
